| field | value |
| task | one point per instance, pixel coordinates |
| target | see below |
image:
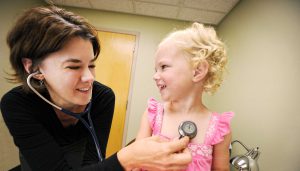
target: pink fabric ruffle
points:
(152, 111)
(222, 127)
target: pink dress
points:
(219, 126)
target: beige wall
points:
(264, 79)
(9, 10)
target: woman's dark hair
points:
(41, 31)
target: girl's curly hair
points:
(201, 43)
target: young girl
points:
(188, 63)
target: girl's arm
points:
(145, 129)
(221, 155)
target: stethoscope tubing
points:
(89, 125)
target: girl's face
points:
(173, 72)
(69, 73)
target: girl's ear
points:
(200, 71)
(27, 63)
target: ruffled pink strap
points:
(222, 127)
(152, 111)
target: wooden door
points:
(113, 68)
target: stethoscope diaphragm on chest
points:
(187, 128)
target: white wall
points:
(262, 86)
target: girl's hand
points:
(154, 153)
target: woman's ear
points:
(200, 71)
(39, 76)
(27, 63)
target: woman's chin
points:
(82, 102)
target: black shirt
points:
(43, 141)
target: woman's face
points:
(69, 73)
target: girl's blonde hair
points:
(201, 43)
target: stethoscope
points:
(88, 125)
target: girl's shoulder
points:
(152, 105)
(219, 126)
(155, 112)
(224, 117)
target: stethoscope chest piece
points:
(187, 128)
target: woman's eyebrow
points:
(72, 60)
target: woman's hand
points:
(153, 153)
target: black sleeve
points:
(35, 143)
(110, 164)
(103, 102)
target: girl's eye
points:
(164, 66)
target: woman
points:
(60, 117)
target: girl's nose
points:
(156, 76)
